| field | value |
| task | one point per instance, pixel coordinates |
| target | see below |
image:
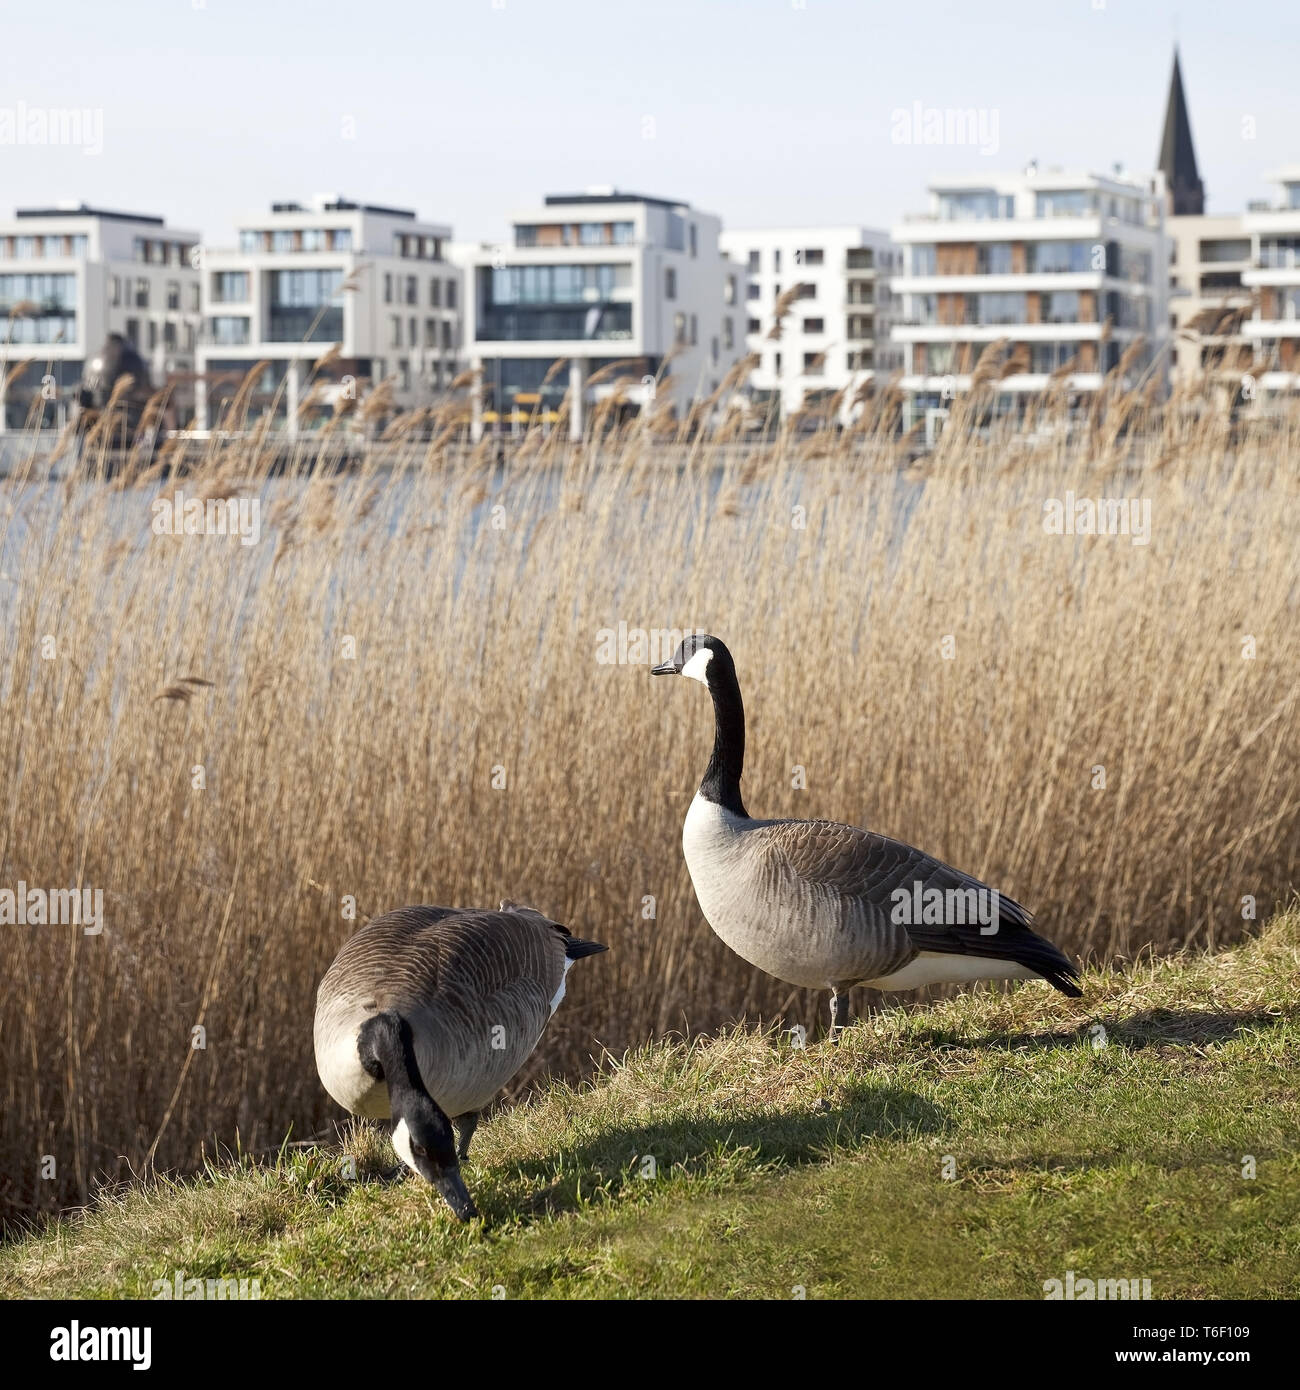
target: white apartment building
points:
(375, 281)
(70, 276)
(1071, 268)
(835, 336)
(590, 279)
(1208, 301)
(1274, 331)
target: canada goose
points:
(829, 906)
(425, 1015)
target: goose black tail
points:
(575, 949)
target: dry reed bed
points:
(476, 634)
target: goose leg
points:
(839, 1011)
(466, 1124)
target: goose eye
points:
(419, 1151)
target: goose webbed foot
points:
(466, 1124)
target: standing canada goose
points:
(829, 906)
(425, 1015)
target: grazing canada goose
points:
(829, 906)
(425, 1015)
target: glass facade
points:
(556, 284)
(229, 331)
(299, 298)
(1070, 202)
(230, 287)
(976, 205)
(1059, 257)
(49, 308)
(575, 233)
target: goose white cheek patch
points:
(402, 1144)
(697, 667)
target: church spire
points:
(1177, 157)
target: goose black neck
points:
(387, 1052)
(721, 783)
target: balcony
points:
(586, 323)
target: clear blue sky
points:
(769, 112)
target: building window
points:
(413, 332)
(153, 334)
(776, 262)
(411, 291)
(388, 289)
(446, 336)
(755, 262)
(728, 333)
(173, 295)
(281, 241)
(116, 298)
(313, 238)
(753, 326)
(729, 293)
(133, 332)
(695, 240)
(142, 293)
(814, 325)
(814, 363)
(813, 255)
(752, 290)
(229, 331)
(713, 351)
(431, 333)
(435, 293)
(169, 336)
(1074, 202)
(302, 306)
(670, 283)
(395, 331)
(806, 291)
(695, 329)
(679, 328)
(230, 287)
(451, 294)
(193, 297)
(341, 239)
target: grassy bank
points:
(398, 695)
(1106, 1136)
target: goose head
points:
(702, 658)
(424, 1141)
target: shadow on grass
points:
(1147, 1028)
(704, 1146)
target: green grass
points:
(820, 1170)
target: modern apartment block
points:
(596, 278)
(70, 276)
(835, 335)
(1208, 301)
(1274, 276)
(1071, 268)
(375, 281)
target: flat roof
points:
(614, 196)
(82, 210)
